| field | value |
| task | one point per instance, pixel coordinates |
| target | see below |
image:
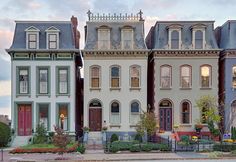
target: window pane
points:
(198, 39)
(43, 115)
(53, 45)
(115, 107)
(103, 39)
(127, 39)
(115, 77)
(205, 76)
(135, 77)
(32, 45)
(63, 81)
(115, 71)
(52, 37)
(115, 82)
(174, 39)
(134, 107)
(43, 81)
(185, 76)
(134, 113)
(63, 116)
(95, 72)
(234, 77)
(185, 113)
(165, 77)
(23, 79)
(32, 37)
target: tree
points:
(5, 134)
(147, 124)
(60, 139)
(209, 113)
(41, 134)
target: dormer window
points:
(32, 38)
(174, 39)
(198, 36)
(52, 38)
(103, 38)
(127, 37)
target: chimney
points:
(76, 33)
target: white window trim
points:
(32, 30)
(169, 37)
(111, 77)
(203, 37)
(99, 77)
(134, 113)
(52, 30)
(115, 113)
(109, 40)
(130, 77)
(132, 38)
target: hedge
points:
(224, 147)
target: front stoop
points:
(20, 141)
(94, 141)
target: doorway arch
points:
(165, 115)
(95, 115)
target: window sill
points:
(135, 88)
(165, 88)
(185, 125)
(115, 88)
(38, 95)
(132, 125)
(205, 88)
(23, 95)
(189, 88)
(115, 126)
(62, 95)
(95, 89)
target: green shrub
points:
(224, 147)
(81, 148)
(146, 147)
(233, 133)
(40, 134)
(114, 148)
(124, 145)
(114, 137)
(164, 147)
(135, 148)
(51, 134)
(138, 137)
(5, 134)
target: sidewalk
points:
(98, 155)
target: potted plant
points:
(176, 126)
(86, 131)
(104, 135)
(198, 127)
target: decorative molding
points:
(186, 53)
(228, 54)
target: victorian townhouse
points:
(115, 72)
(183, 66)
(226, 38)
(45, 63)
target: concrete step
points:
(20, 141)
(94, 138)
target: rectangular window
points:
(115, 77)
(95, 74)
(43, 115)
(205, 76)
(185, 76)
(32, 41)
(63, 116)
(24, 81)
(52, 41)
(63, 80)
(43, 81)
(135, 74)
(103, 39)
(127, 39)
(234, 77)
(165, 76)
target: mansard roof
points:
(66, 39)
(158, 35)
(227, 35)
(115, 23)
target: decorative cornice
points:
(228, 53)
(115, 53)
(186, 53)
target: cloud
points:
(110, 6)
(5, 88)
(5, 70)
(6, 37)
(5, 101)
(5, 111)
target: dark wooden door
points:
(165, 115)
(95, 119)
(24, 120)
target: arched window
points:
(95, 76)
(165, 76)
(134, 112)
(175, 39)
(115, 77)
(185, 79)
(234, 76)
(115, 113)
(205, 76)
(135, 76)
(198, 39)
(185, 111)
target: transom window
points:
(32, 41)
(185, 76)
(185, 112)
(95, 77)
(127, 38)
(198, 39)
(175, 39)
(135, 76)
(205, 76)
(24, 81)
(234, 76)
(52, 41)
(115, 113)
(115, 76)
(104, 39)
(63, 80)
(134, 112)
(165, 76)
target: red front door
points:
(95, 119)
(24, 120)
(165, 119)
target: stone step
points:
(94, 147)
(20, 141)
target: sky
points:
(10, 10)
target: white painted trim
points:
(122, 38)
(27, 40)
(169, 37)
(203, 37)
(108, 38)
(47, 40)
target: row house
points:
(115, 72)
(183, 66)
(226, 38)
(45, 63)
